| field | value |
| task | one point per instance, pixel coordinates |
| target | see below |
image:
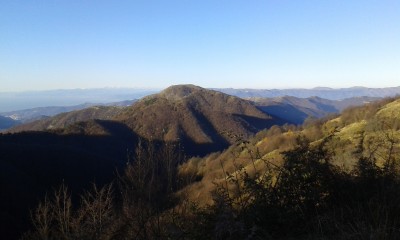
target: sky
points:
(66, 44)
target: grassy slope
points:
(268, 145)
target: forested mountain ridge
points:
(296, 110)
(201, 120)
(287, 108)
(43, 113)
(195, 117)
(322, 92)
(63, 120)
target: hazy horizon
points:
(160, 89)
(14, 101)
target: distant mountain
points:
(200, 119)
(32, 114)
(285, 109)
(12, 101)
(322, 92)
(63, 120)
(6, 122)
(296, 110)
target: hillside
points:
(375, 126)
(296, 110)
(76, 148)
(334, 178)
(289, 109)
(198, 118)
(6, 122)
(38, 113)
(201, 120)
(63, 120)
(34, 163)
(91, 151)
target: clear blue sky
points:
(53, 44)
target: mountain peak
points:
(177, 92)
(196, 117)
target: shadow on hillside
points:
(33, 163)
(255, 124)
(191, 148)
(201, 149)
(286, 112)
(324, 107)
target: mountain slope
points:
(34, 163)
(32, 114)
(196, 117)
(6, 122)
(65, 119)
(201, 120)
(371, 131)
(296, 110)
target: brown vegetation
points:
(195, 117)
(332, 178)
(66, 119)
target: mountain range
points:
(12, 101)
(25, 99)
(96, 143)
(322, 92)
(296, 110)
(32, 114)
(288, 108)
(201, 120)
